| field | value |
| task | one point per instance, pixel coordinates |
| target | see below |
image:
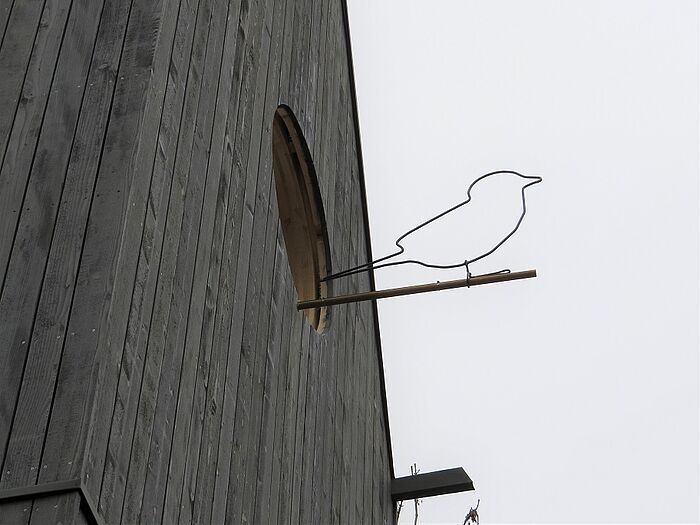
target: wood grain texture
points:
(315, 489)
(21, 92)
(174, 397)
(151, 344)
(265, 350)
(320, 491)
(231, 325)
(244, 322)
(302, 28)
(126, 400)
(252, 262)
(36, 291)
(162, 349)
(307, 67)
(5, 10)
(205, 412)
(268, 472)
(64, 508)
(89, 365)
(19, 133)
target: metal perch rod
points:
(419, 288)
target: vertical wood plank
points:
(132, 277)
(345, 216)
(198, 493)
(348, 499)
(170, 284)
(334, 138)
(316, 104)
(174, 404)
(24, 90)
(298, 455)
(240, 114)
(106, 257)
(266, 353)
(305, 428)
(56, 298)
(327, 152)
(328, 120)
(193, 453)
(369, 437)
(20, 36)
(246, 162)
(250, 256)
(284, 447)
(65, 508)
(359, 396)
(269, 470)
(186, 433)
(291, 409)
(364, 398)
(277, 413)
(179, 495)
(43, 331)
(10, 509)
(19, 134)
(5, 10)
(251, 263)
(319, 99)
(266, 349)
(26, 278)
(310, 82)
(150, 266)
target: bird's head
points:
(507, 178)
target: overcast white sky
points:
(572, 397)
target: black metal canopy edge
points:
(429, 484)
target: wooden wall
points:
(149, 344)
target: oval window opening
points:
(301, 213)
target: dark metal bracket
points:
(431, 484)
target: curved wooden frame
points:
(301, 214)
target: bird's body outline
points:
(381, 262)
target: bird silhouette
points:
(390, 260)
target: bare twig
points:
(473, 515)
(398, 510)
(416, 502)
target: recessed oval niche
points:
(301, 213)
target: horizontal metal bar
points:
(431, 484)
(419, 288)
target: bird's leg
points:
(466, 267)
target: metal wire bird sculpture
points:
(384, 262)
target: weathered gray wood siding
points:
(149, 343)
